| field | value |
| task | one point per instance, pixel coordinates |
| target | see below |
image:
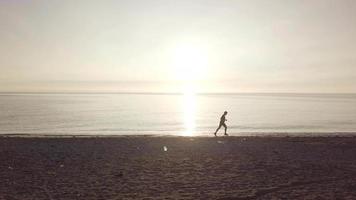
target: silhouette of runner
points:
(222, 123)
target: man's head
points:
(225, 113)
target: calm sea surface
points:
(168, 114)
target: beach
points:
(156, 167)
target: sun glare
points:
(190, 62)
(189, 112)
(190, 66)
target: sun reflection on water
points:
(189, 112)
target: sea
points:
(251, 114)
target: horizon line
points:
(182, 93)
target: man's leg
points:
(225, 128)
(217, 129)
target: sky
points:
(301, 46)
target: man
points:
(222, 123)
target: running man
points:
(222, 123)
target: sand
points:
(178, 168)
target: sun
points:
(190, 62)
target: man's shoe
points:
(226, 134)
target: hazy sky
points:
(238, 46)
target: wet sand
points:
(178, 168)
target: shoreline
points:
(238, 135)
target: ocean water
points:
(176, 114)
